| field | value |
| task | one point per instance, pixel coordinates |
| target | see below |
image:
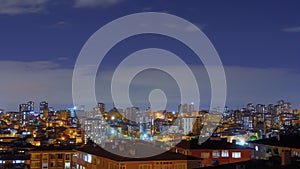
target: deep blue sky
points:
(258, 43)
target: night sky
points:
(257, 41)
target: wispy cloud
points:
(46, 80)
(94, 3)
(292, 29)
(60, 25)
(13, 7)
(37, 81)
(63, 58)
(244, 85)
(188, 28)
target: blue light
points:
(241, 142)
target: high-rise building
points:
(187, 124)
(186, 108)
(183, 108)
(23, 108)
(30, 105)
(44, 109)
(101, 107)
(261, 108)
(271, 109)
(192, 108)
(131, 113)
(250, 107)
(1, 112)
(95, 129)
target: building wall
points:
(218, 157)
(262, 151)
(81, 162)
(51, 159)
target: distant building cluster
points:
(259, 121)
(75, 138)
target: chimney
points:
(278, 137)
(132, 151)
(233, 141)
(121, 147)
(285, 157)
(224, 140)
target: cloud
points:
(37, 81)
(292, 29)
(13, 7)
(244, 85)
(63, 58)
(188, 28)
(60, 25)
(261, 85)
(47, 80)
(94, 3)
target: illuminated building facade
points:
(51, 158)
(95, 157)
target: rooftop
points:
(139, 148)
(256, 164)
(53, 148)
(282, 141)
(209, 144)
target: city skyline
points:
(35, 107)
(256, 41)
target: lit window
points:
(145, 166)
(180, 166)
(89, 158)
(225, 153)
(35, 164)
(45, 157)
(45, 165)
(35, 156)
(18, 161)
(256, 148)
(67, 165)
(204, 155)
(216, 154)
(236, 155)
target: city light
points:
(241, 142)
